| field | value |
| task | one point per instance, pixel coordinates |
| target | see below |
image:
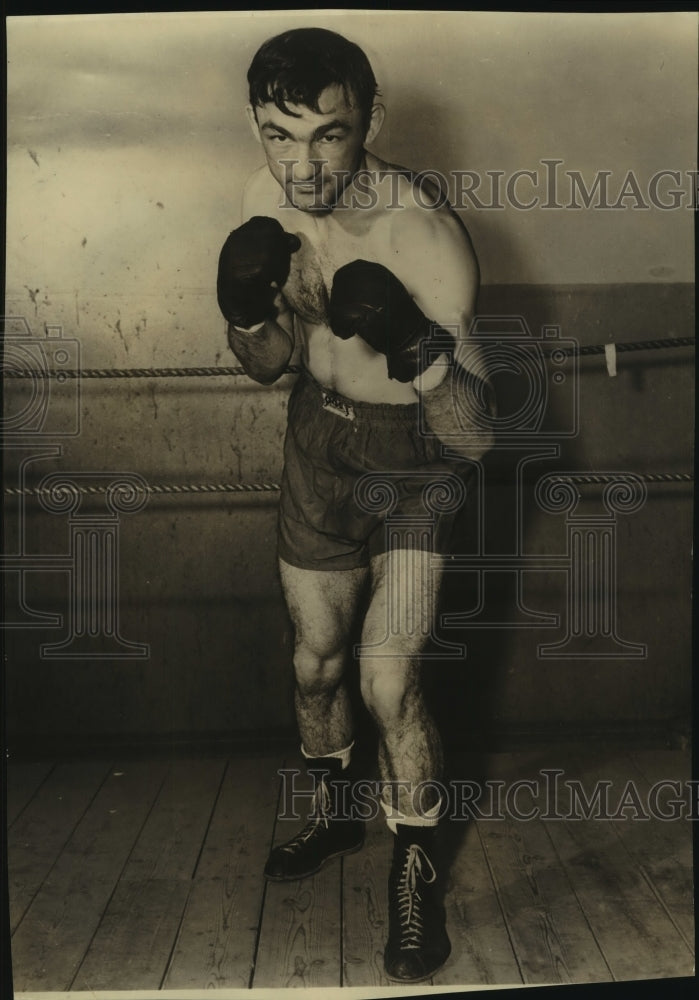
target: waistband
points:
(352, 408)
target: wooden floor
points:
(146, 875)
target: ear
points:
(252, 120)
(378, 113)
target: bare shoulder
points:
(430, 251)
(426, 222)
(416, 207)
(432, 244)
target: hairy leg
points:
(405, 585)
(322, 605)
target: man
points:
(342, 254)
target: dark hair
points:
(296, 67)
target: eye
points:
(277, 138)
(331, 138)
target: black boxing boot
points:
(417, 944)
(330, 832)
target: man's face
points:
(313, 157)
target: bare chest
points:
(313, 267)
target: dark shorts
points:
(360, 479)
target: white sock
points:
(342, 755)
(395, 816)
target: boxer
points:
(338, 256)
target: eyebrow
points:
(335, 124)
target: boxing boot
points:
(330, 832)
(417, 944)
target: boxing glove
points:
(254, 256)
(369, 301)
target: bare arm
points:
(263, 350)
(453, 409)
(435, 260)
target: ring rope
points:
(589, 479)
(62, 374)
(152, 488)
(131, 372)
(622, 346)
(161, 489)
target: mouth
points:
(308, 187)
(318, 195)
(310, 196)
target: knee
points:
(387, 693)
(317, 670)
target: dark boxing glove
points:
(369, 300)
(254, 255)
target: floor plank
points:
(482, 953)
(661, 847)
(37, 837)
(23, 780)
(657, 765)
(365, 913)
(56, 932)
(300, 942)
(149, 874)
(169, 844)
(548, 928)
(631, 926)
(216, 943)
(132, 946)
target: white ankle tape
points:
(341, 755)
(395, 816)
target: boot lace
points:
(416, 864)
(322, 813)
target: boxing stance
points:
(338, 256)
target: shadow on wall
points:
(637, 422)
(417, 135)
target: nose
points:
(306, 168)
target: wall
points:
(137, 126)
(126, 154)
